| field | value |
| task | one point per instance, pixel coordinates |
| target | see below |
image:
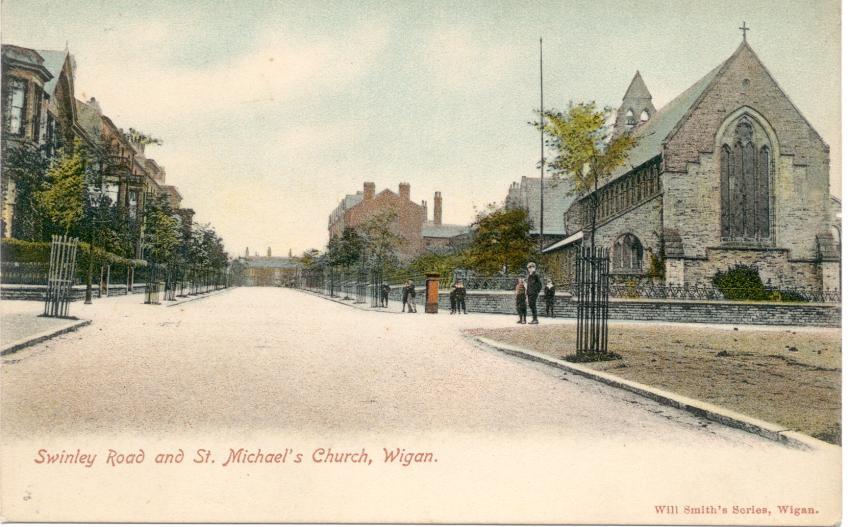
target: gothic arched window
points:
(644, 116)
(745, 169)
(627, 254)
(630, 118)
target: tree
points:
(501, 241)
(63, 200)
(162, 231)
(586, 152)
(381, 240)
(26, 166)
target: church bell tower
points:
(637, 106)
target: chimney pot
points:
(368, 190)
(438, 208)
(404, 190)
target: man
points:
(533, 289)
(411, 297)
(453, 299)
(460, 297)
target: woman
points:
(521, 302)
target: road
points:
(273, 363)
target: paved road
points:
(280, 363)
(276, 359)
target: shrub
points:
(741, 282)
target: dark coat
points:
(549, 293)
(405, 291)
(520, 297)
(534, 285)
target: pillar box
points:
(432, 291)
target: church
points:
(729, 172)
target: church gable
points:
(743, 81)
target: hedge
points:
(14, 250)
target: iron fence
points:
(25, 273)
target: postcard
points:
(394, 262)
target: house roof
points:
(270, 262)
(26, 58)
(446, 230)
(557, 198)
(54, 61)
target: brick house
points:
(728, 172)
(411, 219)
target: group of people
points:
(526, 292)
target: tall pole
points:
(541, 145)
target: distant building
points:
(411, 221)
(268, 271)
(557, 198)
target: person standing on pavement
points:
(385, 295)
(549, 296)
(453, 299)
(519, 292)
(533, 287)
(405, 293)
(411, 297)
(461, 297)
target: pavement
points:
(276, 367)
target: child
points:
(549, 296)
(521, 303)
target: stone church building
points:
(728, 172)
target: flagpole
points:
(541, 145)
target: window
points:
(644, 116)
(16, 105)
(627, 254)
(630, 118)
(745, 169)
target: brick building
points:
(557, 198)
(268, 270)
(728, 172)
(411, 219)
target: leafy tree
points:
(381, 240)
(586, 153)
(501, 241)
(64, 198)
(346, 251)
(27, 167)
(162, 231)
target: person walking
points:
(533, 287)
(461, 297)
(549, 296)
(411, 297)
(519, 293)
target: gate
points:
(60, 276)
(592, 295)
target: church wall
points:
(772, 265)
(801, 178)
(643, 221)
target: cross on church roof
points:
(744, 29)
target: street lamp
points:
(94, 197)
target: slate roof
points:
(270, 262)
(90, 119)
(637, 89)
(53, 61)
(650, 135)
(557, 198)
(446, 230)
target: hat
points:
(531, 264)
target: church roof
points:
(637, 89)
(651, 135)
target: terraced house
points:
(728, 172)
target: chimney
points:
(438, 208)
(269, 252)
(425, 209)
(246, 252)
(404, 190)
(290, 253)
(368, 190)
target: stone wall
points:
(773, 265)
(702, 312)
(78, 292)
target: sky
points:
(271, 111)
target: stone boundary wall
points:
(694, 311)
(78, 292)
